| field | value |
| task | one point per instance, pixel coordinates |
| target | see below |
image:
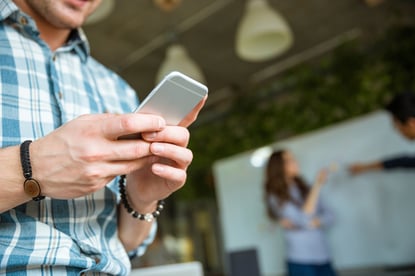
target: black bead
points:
(124, 201)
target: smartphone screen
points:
(173, 98)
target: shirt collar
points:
(7, 8)
(77, 41)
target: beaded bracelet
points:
(147, 217)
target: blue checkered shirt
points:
(40, 91)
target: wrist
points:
(12, 193)
(31, 186)
(136, 202)
(142, 208)
(146, 212)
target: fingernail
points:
(157, 148)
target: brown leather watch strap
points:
(31, 186)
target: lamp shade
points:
(263, 33)
(167, 5)
(177, 59)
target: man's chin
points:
(71, 22)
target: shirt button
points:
(54, 57)
(23, 20)
(60, 95)
(97, 260)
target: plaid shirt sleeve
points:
(40, 91)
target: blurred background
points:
(276, 70)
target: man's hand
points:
(192, 116)
(83, 155)
(165, 172)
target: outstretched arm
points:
(358, 168)
(311, 201)
(404, 162)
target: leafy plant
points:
(350, 81)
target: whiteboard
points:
(374, 224)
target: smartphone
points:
(173, 98)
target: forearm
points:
(310, 204)
(373, 166)
(11, 179)
(133, 231)
(366, 167)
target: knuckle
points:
(141, 149)
(131, 167)
(182, 178)
(91, 189)
(126, 123)
(184, 137)
(92, 177)
(91, 174)
(190, 157)
(156, 122)
(89, 155)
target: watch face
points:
(32, 187)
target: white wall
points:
(375, 224)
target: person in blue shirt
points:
(75, 199)
(402, 110)
(302, 214)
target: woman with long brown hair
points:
(299, 210)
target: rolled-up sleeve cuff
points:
(399, 162)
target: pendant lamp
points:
(177, 59)
(263, 33)
(167, 5)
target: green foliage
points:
(351, 81)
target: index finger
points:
(191, 117)
(132, 123)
